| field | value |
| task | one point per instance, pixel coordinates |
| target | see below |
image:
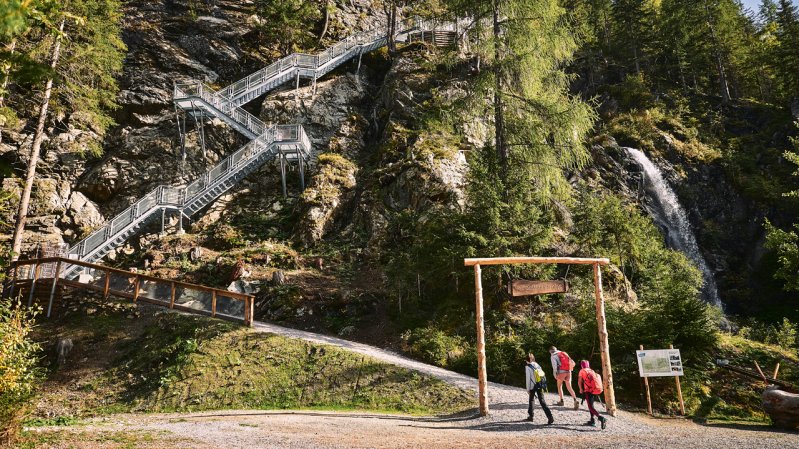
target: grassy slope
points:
(164, 362)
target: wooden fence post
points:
(172, 296)
(36, 271)
(482, 381)
(648, 397)
(13, 281)
(604, 346)
(136, 288)
(52, 289)
(107, 283)
(213, 303)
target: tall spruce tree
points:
(86, 54)
(788, 48)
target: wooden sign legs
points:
(679, 390)
(482, 374)
(648, 396)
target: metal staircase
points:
(288, 143)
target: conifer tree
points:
(788, 50)
(86, 53)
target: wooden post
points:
(760, 371)
(33, 283)
(776, 371)
(13, 282)
(604, 346)
(213, 303)
(52, 289)
(107, 283)
(136, 288)
(482, 381)
(648, 396)
(172, 296)
(679, 390)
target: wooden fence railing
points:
(30, 275)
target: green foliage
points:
(433, 345)
(18, 365)
(285, 22)
(92, 59)
(786, 245)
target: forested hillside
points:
(519, 139)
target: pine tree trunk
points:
(499, 123)
(327, 21)
(724, 88)
(24, 201)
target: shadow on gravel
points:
(512, 426)
(750, 428)
(456, 417)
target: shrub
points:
(433, 345)
(18, 366)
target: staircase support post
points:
(297, 88)
(283, 173)
(358, 70)
(301, 160)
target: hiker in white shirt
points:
(536, 382)
(562, 366)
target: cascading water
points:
(667, 212)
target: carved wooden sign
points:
(523, 287)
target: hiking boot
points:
(560, 403)
(603, 422)
(576, 404)
(530, 418)
(591, 423)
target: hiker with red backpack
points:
(562, 366)
(590, 384)
(536, 382)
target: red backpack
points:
(592, 381)
(566, 363)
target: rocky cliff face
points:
(168, 41)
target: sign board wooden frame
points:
(602, 330)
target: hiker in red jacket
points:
(590, 384)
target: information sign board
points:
(659, 363)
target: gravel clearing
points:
(504, 427)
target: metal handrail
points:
(310, 61)
(177, 197)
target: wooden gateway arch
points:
(482, 375)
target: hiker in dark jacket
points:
(536, 383)
(590, 384)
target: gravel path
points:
(504, 427)
(508, 405)
(334, 430)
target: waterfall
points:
(669, 214)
